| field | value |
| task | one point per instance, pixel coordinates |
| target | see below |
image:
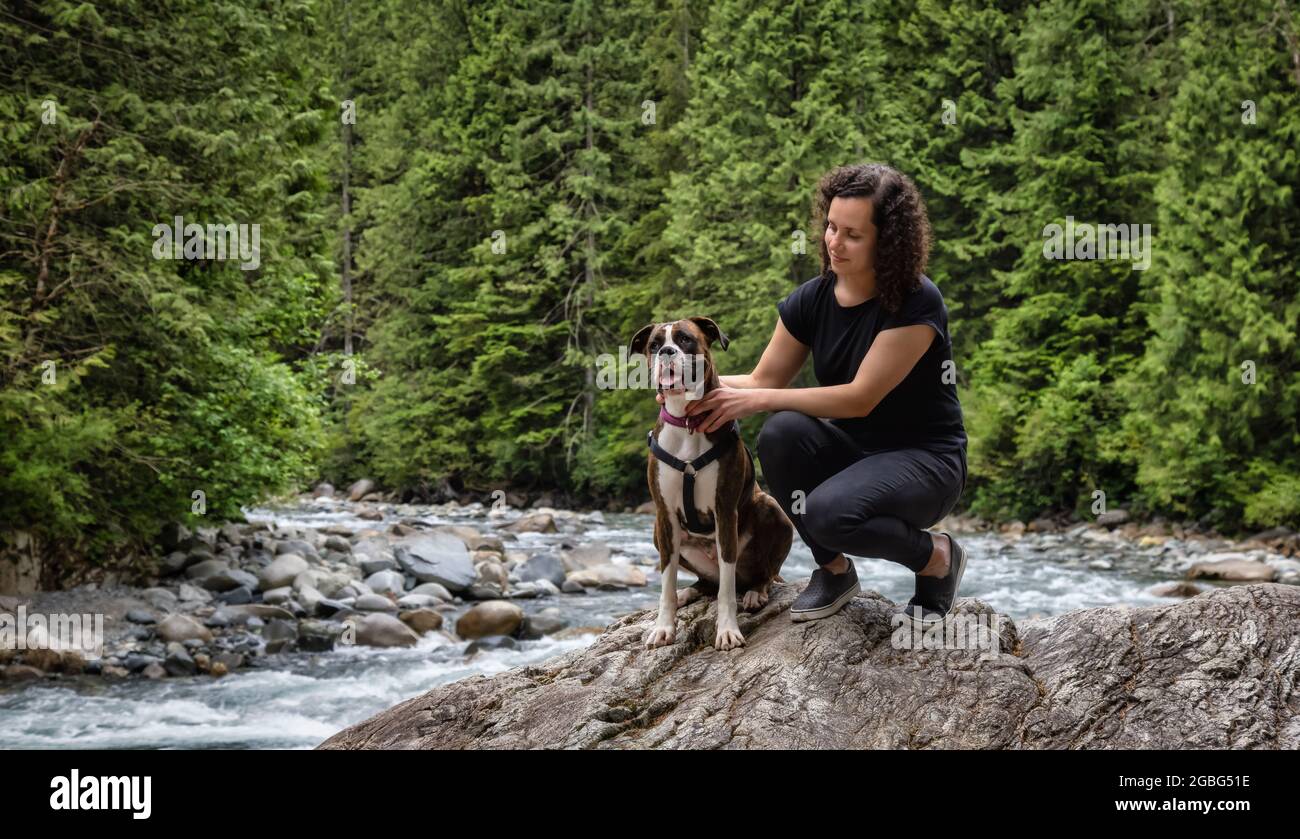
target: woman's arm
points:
(892, 356)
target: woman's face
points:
(850, 235)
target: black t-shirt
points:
(922, 411)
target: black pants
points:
(843, 499)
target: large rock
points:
(494, 617)
(1206, 673)
(282, 571)
(582, 557)
(436, 558)
(619, 575)
(360, 489)
(230, 579)
(532, 523)
(381, 630)
(1236, 570)
(182, 628)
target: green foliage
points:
(169, 377)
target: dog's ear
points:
(711, 331)
(639, 340)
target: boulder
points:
(610, 574)
(282, 571)
(1201, 673)
(381, 630)
(1235, 570)
(360, 489)
(182, 628)
(492, 617)
(436, 558)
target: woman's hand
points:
(724, 404)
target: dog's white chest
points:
(686, 447)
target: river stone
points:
(259, 610)
(1201, 673)
(22, 672)
(182, 628)
(141, 616)
(381, 630)
(532, 523)
(1236, 570)
(374, 603)
(201, 570)
(160, 598)
(1111, 518)
(585, 556)
(417, 601)
(318, 636)
(463, 532)
(421, 620)
(277, 596)
(338, 543)
(327, 583)
(434, 590)
(188, 592)
(297, 546)
(309, 597)
(279, 635)
(372, 547)
(230, 578)
(492, 572)
(374, 566)
(386, 581)
(282, 571)
(176, 562)
(179, 663)
(436, 558)
(619, 575)
(360, 489)
(493, 617)
(543, 566)
(236, 596)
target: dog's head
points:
(679, 354)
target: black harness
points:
(689, 470)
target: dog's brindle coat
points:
(752, 534)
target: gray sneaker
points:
(825, 594)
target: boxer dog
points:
(710, 515)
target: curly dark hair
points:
(903, 235)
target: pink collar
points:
(690, 423)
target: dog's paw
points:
(687, 595)
(753, 600)
(660, 636)
(728, 638)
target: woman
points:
(890, 458)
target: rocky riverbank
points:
(238, 595)
(227, 597)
